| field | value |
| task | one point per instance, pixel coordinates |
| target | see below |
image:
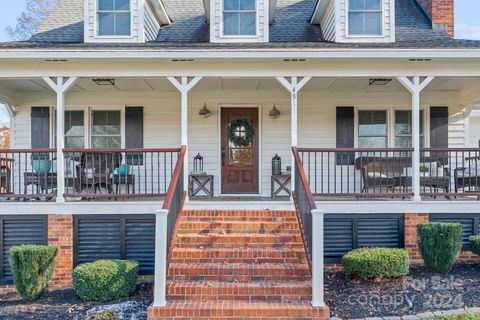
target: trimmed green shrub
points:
(32, 267)
(373, 263)
(475, 244)
(440, 244)
(105, 280)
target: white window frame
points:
(382, 22)
(122, 123)
(250, 36)
(391, 121)
(97, 22)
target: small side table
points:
(200, 183)
(281, 183)
(127, 180)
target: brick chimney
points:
(441, 12)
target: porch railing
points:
(123, 173)
(346, 172)
(28, 173)
(311, 226)
(166, 219)
(452, 172)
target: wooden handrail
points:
(303, 179)
(36, 150)
(175, 177)
(355, 149)
(136, 150)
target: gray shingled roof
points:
(291, 29)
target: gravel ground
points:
(421, 291)
(65, 304)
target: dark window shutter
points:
(470, 224)
(40, 130)
(345, 134)
(134, 133)
(439, 131)
(123, 237)
(17, 230)
(345, 232)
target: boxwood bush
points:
(105, 280)
(32, 267)
(373, 263)
(440, 244)
(475, 244)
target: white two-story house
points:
(210, 139)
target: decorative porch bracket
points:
(415, 86)
(61, 87)
(184, 85)
(293, 86)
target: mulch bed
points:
(420, 292)
(63, 304)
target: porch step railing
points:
(166, 220)
(122, 173)
(28, 173)
(311, 227)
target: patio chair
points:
(468, 178)
(95, 171)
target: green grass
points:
(467, 316)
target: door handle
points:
(223, 156)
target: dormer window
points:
(114, 18)
(365, 17)
(239, 18)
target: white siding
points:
(216, 23)
(474, 131)
(151, 25)
(328, 22)
(317, 123)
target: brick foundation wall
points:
(442, 14)
(60, 234)
(411, 242)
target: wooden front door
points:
(239, 162)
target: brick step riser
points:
(238, 225)
(260, 245)
(238, 278)
(237, 213)
(240, 297)
(254, 270)
(237, 238)
(200, 231)
(242, 219)
(238, 253)
(239, 260)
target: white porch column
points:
(61, 87)
(317, 258)
(415, 86)
(184, 86)
(293, 86)
(159, 299)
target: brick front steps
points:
(238, 265)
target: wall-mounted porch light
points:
(379, 81)
(275, 113)
(204, 112)
(104, 82)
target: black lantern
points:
(198, 163)
(276, 165)
(204, 112)
(275, 113)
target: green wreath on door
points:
(241, 140)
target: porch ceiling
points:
(206, 84)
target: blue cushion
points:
(42, 166)
(123, 169)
